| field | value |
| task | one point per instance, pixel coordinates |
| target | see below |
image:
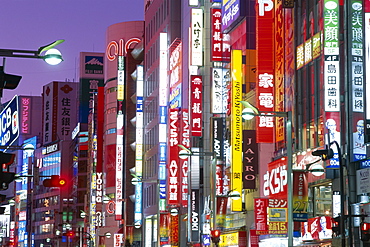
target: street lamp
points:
(52, 56)
(251, 111)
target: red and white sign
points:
(185, 140)
(276, 179)
(265, 75)
(196, 106)
(220, 46)
(173, 164)
(260, 215)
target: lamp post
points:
(52, 56)
(185, 153)
(251, 111)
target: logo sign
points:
(50, 149)
(265, 77)
(196, 105)
(195, 219)
(250, 159)
(236, 128)
(220, 45)
(232, 12)
(173, 166)
(25, 120)
(196, 37)
(221, 78)
(9, 125)
(363, 181)
(331, 53)
(260, 215)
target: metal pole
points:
(342, 198)
(290, 178)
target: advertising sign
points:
(25, 116)
(265, 76)
(260, 215)
(163, 112)
(317, 228)
(195, 216)
(300, 196)
(250, 159)
(220, 42)
(173, 171)
(220, 80)
(331, 53)
(232, 12)
(236, 128)
(184, 163)
(363, 181)
(275, 188)
(196, 49)
(196, 104)
(9, 126)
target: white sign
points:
(196, 37)
(363, 181)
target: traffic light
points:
(54, 181)
(215, 236)
(6, 159)
(325, 154)
(365, 231)
(6, 177)
(70, 234)
(336, 226)
(8, 81)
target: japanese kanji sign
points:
(196, 52)
(265, 76)
(196, 107)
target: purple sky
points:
(29, 24)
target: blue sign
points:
(29, 147)
(9, 123)
(232, 12)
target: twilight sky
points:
(30, 24)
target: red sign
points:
(173, 165)
(220, 46)
(185, 140)
(260, 215)
(275, 181)
(196, 106)
(265, 75)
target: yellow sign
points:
(236, 128)
(230, 239)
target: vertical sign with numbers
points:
(331, 55)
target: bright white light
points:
(53, 57)
(248, 114)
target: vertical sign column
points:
(332, 75)
(119, 142)
(139, 144)
(265, 69)
(357, 123)
(162, 100)
(236, 128)
(196, 49)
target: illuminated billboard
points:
(236, 128)
(9, 127)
